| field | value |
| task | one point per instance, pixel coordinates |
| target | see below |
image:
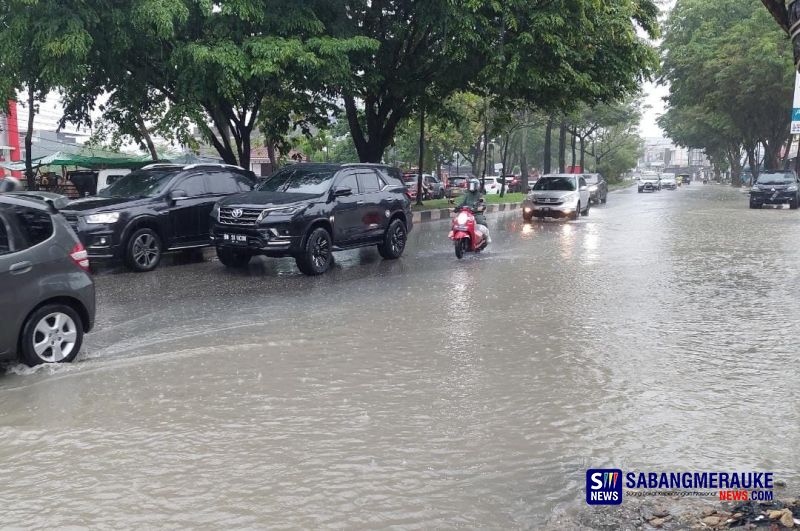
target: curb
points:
(424, 216)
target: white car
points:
(557, 196)
(492, 186)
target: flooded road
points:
(659, 333)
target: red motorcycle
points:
(466, 238)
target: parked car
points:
(456, 186)
(307, 211)
(513, 184)
(669, 181)
(46, 291)
(410, 182)
(162, 207)
(775, 188)
(649, 183)
(557, 196)
(435, 185)
(491, 186)
(685, 178)
(598, 188)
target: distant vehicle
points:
(492, 186)
(557, 196)
(162, 207)
(456, 186)
(649, 183)
(435, 185)
(598, 188)
(307, 211)
(410, 181)
(668, 181)
(513, 184)
(775, 188)
(46, 291)
(685, 178)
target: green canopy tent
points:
(83, 160)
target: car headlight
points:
(280, 211)
(593, 188)
(215, 211)
(755, 189)
(105, 218)
(569, 198)
(792, 188)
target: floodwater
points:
(659, 333)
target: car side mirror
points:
(178, 195)
(343, 192)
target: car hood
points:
(768, 187)
(89, 204)
(266, 199)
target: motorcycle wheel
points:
(461, 247)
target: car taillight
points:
(79, 255)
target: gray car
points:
(46, 291)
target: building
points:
(662, 155)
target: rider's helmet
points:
(473, 185)
(10, 184)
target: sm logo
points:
(604, 486)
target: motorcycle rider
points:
(472, 199)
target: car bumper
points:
(100, 241)
(269, 241)
(777, 198)
(530, 210)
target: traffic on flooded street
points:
(421, 392)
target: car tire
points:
(793, 204)
(585, 212)
(143, 250)
(394, 240)
(640, 190)
(604, 199)
(577, 214)
(317, 254)
(233, 259)
(753, 204)
(59, 323)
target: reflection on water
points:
(425, 392)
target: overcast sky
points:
(654, 94)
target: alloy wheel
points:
(320, 253)
(398, 239)
(145, 250)
(54, 337)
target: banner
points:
(796, 106)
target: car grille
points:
(248, 216)
(548, 201)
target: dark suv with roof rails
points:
(162, 207)
(307, 211)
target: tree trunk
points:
(421, 154)
(562, 147)
(583, 154)
(751, 159)
(148, 140)
(505, 159)
(548, 146)
(574, 149)
(380, 127)
(29, 176)
(272, 154)
(523, 161)
(485, 155)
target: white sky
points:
(654, 94)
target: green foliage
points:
(729, 90)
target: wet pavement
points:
(658, 333)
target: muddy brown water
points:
(659, 333)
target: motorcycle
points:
(466, 239)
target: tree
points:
(43, 45)
(224, 65)
(737, 92)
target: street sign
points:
(796, 106)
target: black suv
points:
(775, 188)
(309, 210)
(158, 208)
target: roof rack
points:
(212, 164)
(160, 165)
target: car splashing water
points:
(657, 334)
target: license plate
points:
(235, 238)
(546, 209)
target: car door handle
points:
(20, 268)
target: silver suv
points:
(557, 196)
(46, 291)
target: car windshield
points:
(299, 180)
(560, 184)
(776, 178)
(141, 183)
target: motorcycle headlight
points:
(105, 218)
(462, 218)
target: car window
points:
(592, 179)
(5, 239)
(348, 181)
(225, 182)
(298, 179)
(391, 176)
(140, 183)
(35, 225)
(776, 178)
(368, 181)
(560, 184)
(582, 182)
(194, 185)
